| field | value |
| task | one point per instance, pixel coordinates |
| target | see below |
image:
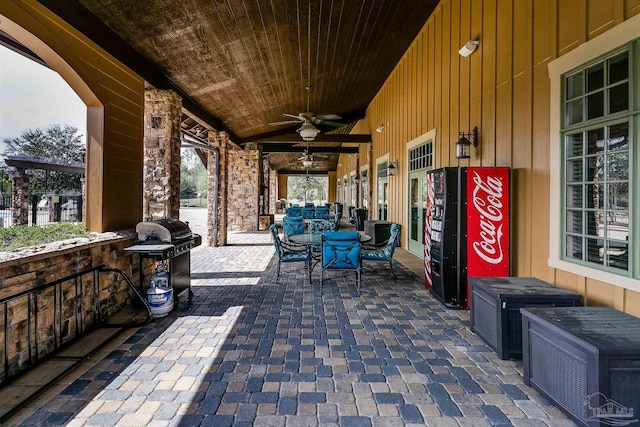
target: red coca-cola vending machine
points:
(466, 229)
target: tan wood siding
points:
(503, 88)
(114, 119)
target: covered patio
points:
(250, 351)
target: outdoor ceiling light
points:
(463, 146)
(468, 48)
(308, 132)
(380, 128)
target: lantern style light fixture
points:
(392, 168)
(463, 146)
(308, 131)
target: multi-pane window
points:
(420, 157)
(598, 162)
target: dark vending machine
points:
(466, 229)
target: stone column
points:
(243, 189)
(273, 190)
(20, 198)
(213, 194)
(161, 179)
(219, 140)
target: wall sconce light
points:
(392, 168)
(380, 128)
(468, 48)
(463, 146)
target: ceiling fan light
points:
(307, 163)
(308, 132)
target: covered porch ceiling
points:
(240, 65)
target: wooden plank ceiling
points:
(246, 62)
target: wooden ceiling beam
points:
(285, 148)
(302, 172)
(294, 138)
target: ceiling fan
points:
(308, 158)
(322, 119)
(308, 131)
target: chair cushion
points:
(293, 225)
(341, 250)
(320, 225)
(375, 254)
(294, 256)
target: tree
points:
(55, 142)
(193, 175)
(307, 188)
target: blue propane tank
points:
(160, 292)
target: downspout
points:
(190, 142)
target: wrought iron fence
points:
(45, 209)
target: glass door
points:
(417, 211)
(420, 161)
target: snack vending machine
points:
(466, 229)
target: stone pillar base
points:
(265, 221)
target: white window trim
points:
(619, 35)
(422, 139)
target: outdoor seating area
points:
(255, 349)
(329, 247)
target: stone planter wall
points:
(51, 323)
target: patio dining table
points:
(314, 240)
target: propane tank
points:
(160, 292)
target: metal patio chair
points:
(384, 253)
(287, 252)
(341, 251)
(308, 213)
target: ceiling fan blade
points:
(327, 117)
(286, 122)
(295, 116)
(329, 123)
(320, 156)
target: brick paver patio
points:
(250, 351)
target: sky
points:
(34, 96)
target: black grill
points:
(167, 239)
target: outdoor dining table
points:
(311, 240)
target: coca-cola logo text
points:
(487, 199)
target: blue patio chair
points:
(292, 225)
(308, 213)
(309, 205)
(341, 251)
(322, 212)
(384, 253)
(286, 252)
(294, 211)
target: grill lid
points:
(165, 230)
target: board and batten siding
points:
(114, 96)
(504, 89)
